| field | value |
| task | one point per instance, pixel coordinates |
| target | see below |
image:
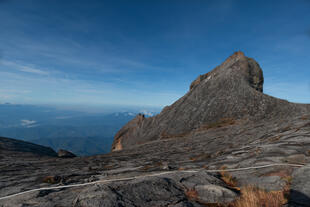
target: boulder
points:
(214, 194)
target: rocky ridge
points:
(11, 146)
(233, 90)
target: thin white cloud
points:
(147, 113)
(26, 122)
(32, 70)
(24, 68)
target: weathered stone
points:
(214, 194)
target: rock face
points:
(65, 154)
(233, 90)
(129, 128)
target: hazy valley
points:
(82, 133)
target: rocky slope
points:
(232, 90)
(224, 121)
(8, 147)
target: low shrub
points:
(254, 197)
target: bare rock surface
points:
(214, 194)
(155, 191)
(223, 122)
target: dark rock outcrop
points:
(232, 90)
(8, 145)
(65, 154)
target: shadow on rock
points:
(298, 199)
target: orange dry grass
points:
(227, 177)
(192, 194)
(254, 197)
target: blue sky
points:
(145, 52)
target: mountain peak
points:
(231, 91)
(234, 57)
(236, 67)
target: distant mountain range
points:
(79, 132)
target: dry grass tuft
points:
(191, 194)
(250, 197)
(227, 177)
(254, 197)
